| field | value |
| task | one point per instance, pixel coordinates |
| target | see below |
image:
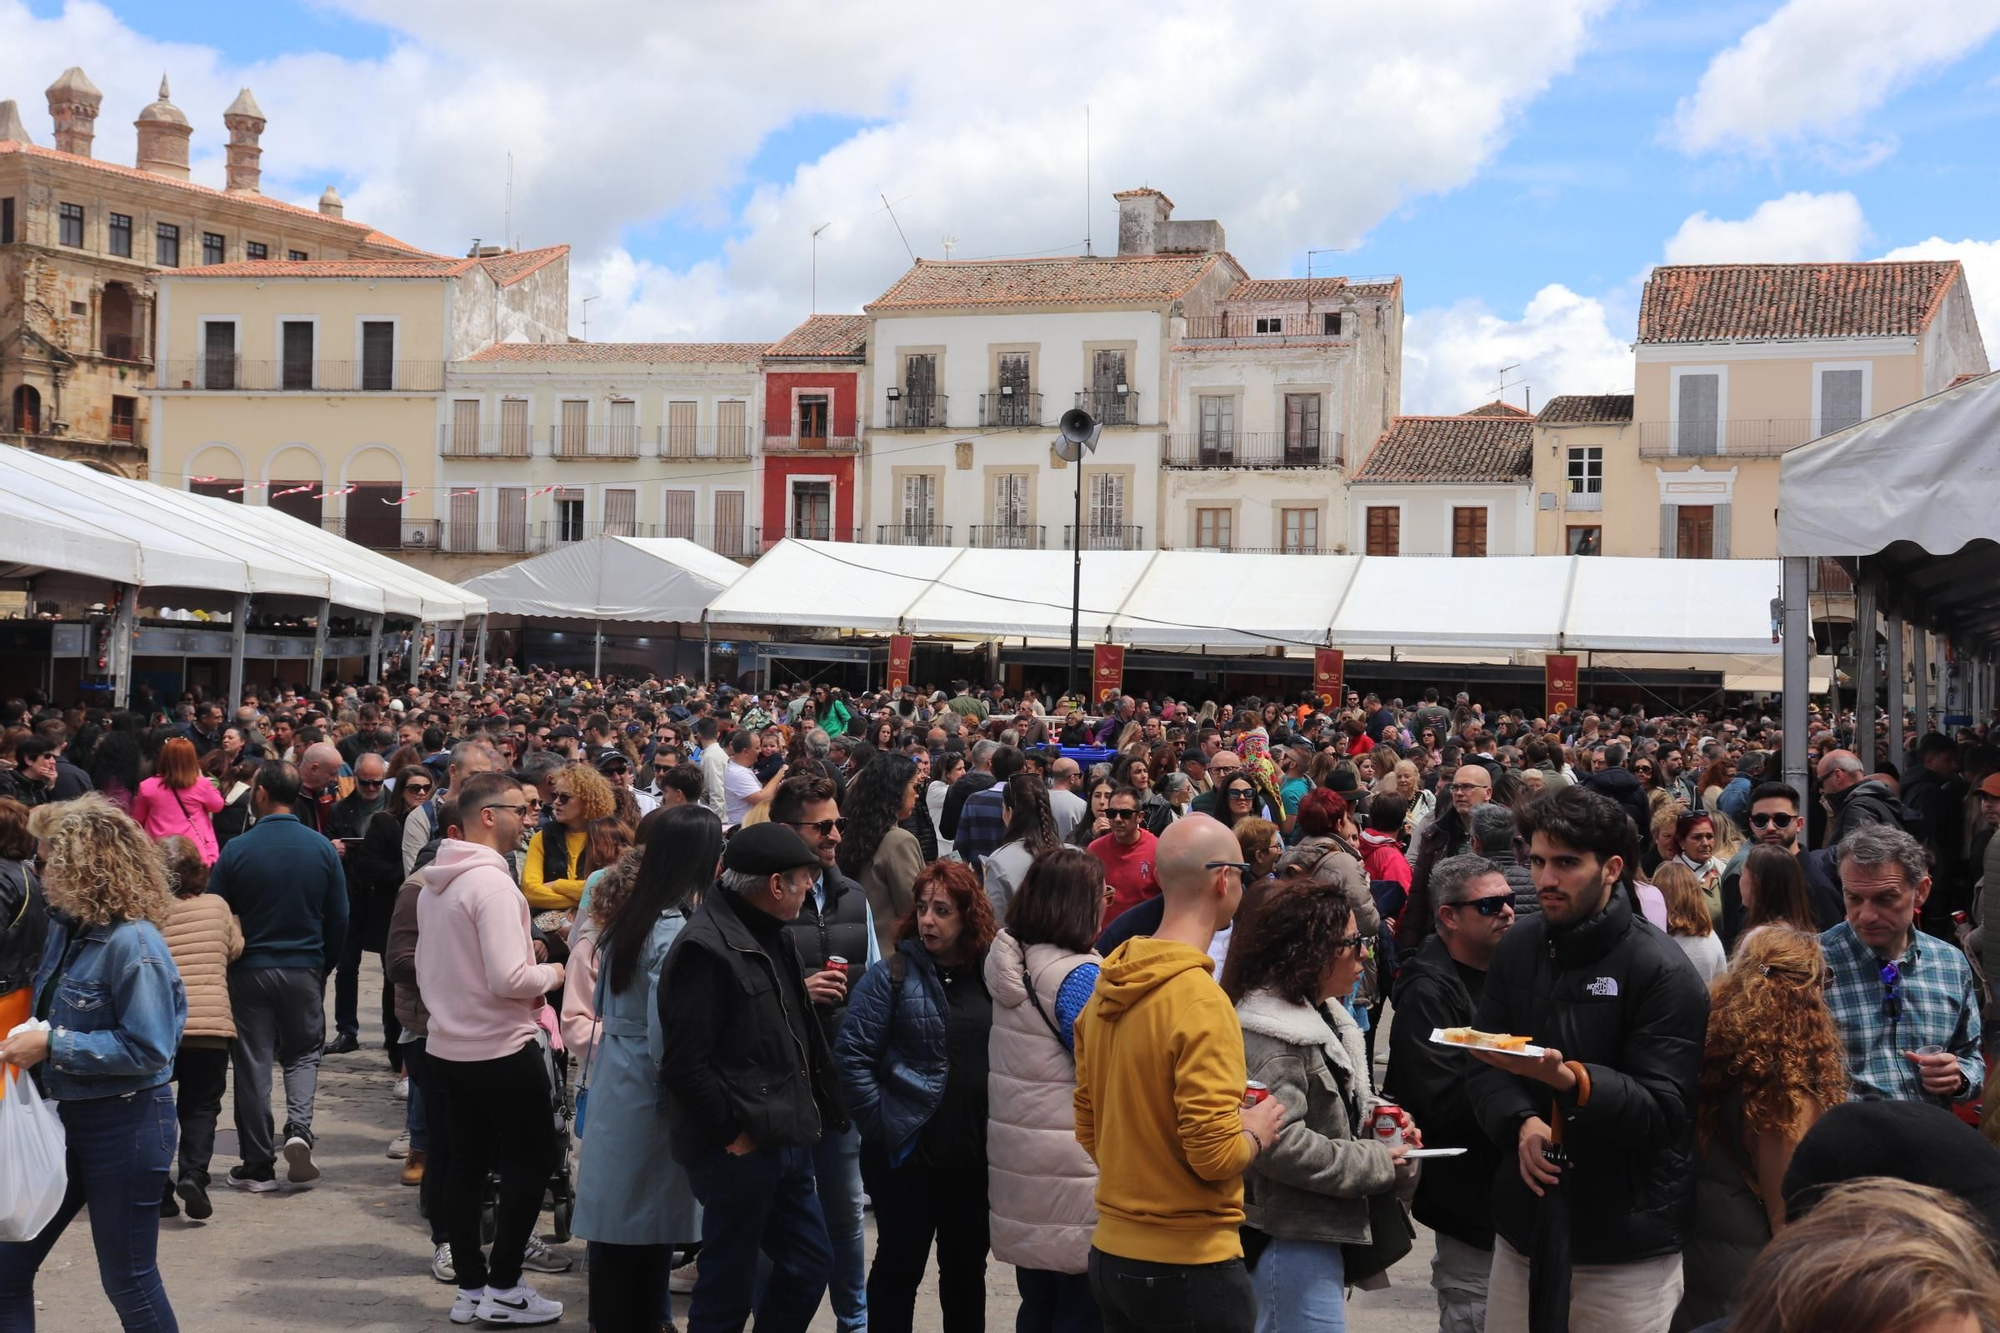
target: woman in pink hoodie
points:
(177, 801)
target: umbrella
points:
(1548, 1258)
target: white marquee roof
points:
(654, 579)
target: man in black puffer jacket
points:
(1622, 785)
(1622, 1015)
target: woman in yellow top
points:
(552, 877)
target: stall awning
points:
(642, 579)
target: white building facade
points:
(1446, 486)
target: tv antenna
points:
(586, 317)
(507, 230)
(1500, 389)
(1087, 253)
(815, 268)
(890, 209)
(950, 244)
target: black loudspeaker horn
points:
(1079, 433)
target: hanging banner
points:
(1328, 665)
(900, 646)
(1561, 682)
(1107, 671)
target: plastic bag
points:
(33, 1177)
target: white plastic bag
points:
(33, 1177)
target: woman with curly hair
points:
(115, 1006)
(912, 1061)
(555, 868)
(1771, 1065)
(875, 851)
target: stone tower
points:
(163, 137)
(10, 123)
(73, 103)
(329, 203)
(245, 121)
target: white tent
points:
(1209, 599)
(646, 579)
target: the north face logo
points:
(1604, 988)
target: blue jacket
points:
(890, 1052)
(285, 883)
(117, 1009)
(1735, 801)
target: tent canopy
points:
(646, 579)
(1209, 599)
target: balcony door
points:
(814, 414)
(296, 369)
(1107, 372)
(1302, 427)
(1694, 532)
(812, 510)
(218, 354)
(1218, 428)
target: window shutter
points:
(1721, 537)
(464, 533)
(1839, 400)
(513, 518)
(679, 515)
(575, 435)
(1670, 527)
(464, 425)
(514, 427)
(624, 429)
(732, 429)
(680, 429)
(1700, 396)
(621, 510)
(729, 523)
(1010, 499)
(919, 501)
(378, 355)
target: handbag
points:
(582, 1099)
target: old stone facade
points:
(80, 240)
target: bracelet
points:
(1254, 1139)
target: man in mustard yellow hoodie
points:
(1159, 1064)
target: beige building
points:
(1736, 364)
(317, 386)
(81, 241)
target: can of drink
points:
(1254, 1092)
(835, 963)
(1388, 1128)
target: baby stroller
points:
(561, 1197)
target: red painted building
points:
(812, 383)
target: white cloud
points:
(1798, 227)
(1982, 274)
(629, 112)
(1815, 68)
(1563, 343)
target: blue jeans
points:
(120, 1149)
(761, 1201)
(1300, 1284)
(1053, 1302)
(837, 1175)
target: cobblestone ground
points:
(350, 1253)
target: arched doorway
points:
(27, 411)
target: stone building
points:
(80, 241)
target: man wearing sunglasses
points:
(1774, 821)
(1130, 855)
(1440, 988)
(344, 828)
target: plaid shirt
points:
(981, 826)
(1940, 1008)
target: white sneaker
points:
(465, 1307)
(444, 1270)
(403, 1089)
(517, 1305)
(299, 1165)
(681, 1281)
(399, 1146)
(539, 1257)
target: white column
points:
(1797, 658)
(458, 654)
(1864, 673)
(239, 628)
(123, 625)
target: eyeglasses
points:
(1240, 867)
(1121, 814)
(1892, 991)
(503, 805)
(1468, 786)
(1365, 943)
(1491, 905)
(825, 827)
(1777, 821)
(561, 798)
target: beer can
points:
(1254, 1092)
(835, 963)
(1388, 1128)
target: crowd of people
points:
(1094, 991)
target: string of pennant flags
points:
(348, 489)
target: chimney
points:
(10, 123)
(245, 122)
(1140, 213)
(163, 137)
(329, 203)
(73, 103)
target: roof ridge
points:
(1809, 263)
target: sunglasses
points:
(1241, 793)
(503, 805)
(1491, 905)
(1121, 814)
(417, 786)
(1644, 770)
(1779, 821)
(561, 798)
(1365, 943)
(1892, 991)
(1240, 867)
(367, 782)
(825, 827)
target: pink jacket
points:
(476, 962)
(166, 813)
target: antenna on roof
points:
(1500, 389)
(1086, 181)
(890, 209)
(586, 317)
(815, 243)
(507, 232)
(950, 244)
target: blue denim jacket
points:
(117, 1010)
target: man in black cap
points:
(748, 1082)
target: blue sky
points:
(1521, 166)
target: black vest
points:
(841, 932)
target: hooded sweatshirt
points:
(1159, 1063)
(476, 964)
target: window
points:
(1302, 428)
(219, 488)
(732, 428)
(374, 519)
(1298, 531)
(814, 412)
(573, 435)
(124, 418)
(812, 510)
(731, 538)
(218, 355)
(1329, 323)
(680, 429)
(1698, 398)
(119, 237)
(1385, 530)
(1270, 324)
(462, 533)
(7, 221)
(378, 354)
(211, 247)
(1583, 540)
(1012, 393)
(297, 255)
(295, 370)
(1211, 529)
(569, 516)
(1010, 504)
(167, 245)
(1218, 428)
(919, 504)
(513, 514)
(1694, 532)
(679, 515)
(256, 250)
(1586, 470)
(465, 426)
(1842, 399)
(624, 435)
(621, 512)
(920, 401)
(307, 503)
(514, 427)
(1468, 530)
(70, 225)
(1109, 388)
(1106, 516)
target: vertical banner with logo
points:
(1561, 682)
(1107, 671)
(1328, 664)
(900, 647)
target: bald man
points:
(1159, 1055)
(345, 827)
(1853, 798)
(320, 787)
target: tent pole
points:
(1920, 677)
(1864, 674)
(375, 624)
(239, 629)
(123, 625)
(1893, 626)
(1076, 583)
(479, 654)
(597, 650)
(707, 673)
(1797, 656)
(318, 671)
(458, 654)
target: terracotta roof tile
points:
(366, 236)
(1311, 289)
(824, 336)
(1141, 193)
(1496, 408)
(1126, 280)
(1463, 449)
(1574, 409)
(511, 268)
(1719, 302)
(506, 269)
(636, 353)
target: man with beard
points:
(1774, 821)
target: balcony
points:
(122, 347)
(1008, 536)
(1106, 537)
(783, 439)
(1293, 326)
(392, 533)
(913, 534)
(579, 441)
(236, 374)
(1272, 449)
(738, 541)
(916, 411)
(1307, 548)
(483, 441)
(1113, 407)
(1578, 502)
(682, 444)
(1766, 437)
(1008, 406)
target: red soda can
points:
(1388, 1127)
(835, 963)
(1254, 1092)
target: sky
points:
(1521, 166)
